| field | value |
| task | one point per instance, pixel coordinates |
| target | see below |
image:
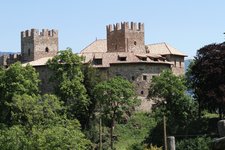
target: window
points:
(46, 50)
(122, 58)
(145, 77)
(28, 52)
(142, 92)
(132, 78)
(97, 61)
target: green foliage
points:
(116, 96)
(134, 131)
(139, 146)
(68, 75)
(16, 80)
(199, 143)
(92, 77)
(35, 110)
(180, 108)
(30, 121)
(63, 135)
(39, 123)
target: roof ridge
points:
(167, 47)
(156, 43)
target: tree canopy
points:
(115, 97)
(206, 77)
(179, 107)
(16, 80)
(33, 121)
(68, 78)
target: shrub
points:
(199, 143)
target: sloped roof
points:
(163, 49)
(38, 62)
(96, 46)
(113, 58)
(158, 48)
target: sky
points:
(187, 25)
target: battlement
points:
(36, 33)
(125, 26)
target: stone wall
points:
(177, 64)
(44, 75)
(138, 73)
(125, 37)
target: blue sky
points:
(185, 24)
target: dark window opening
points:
(46, 49)
(97, 61)
(155, 59)
(132, 78)
(142, 92)
(28, 52)
(122, 58)
(135, 43)
(144, 77)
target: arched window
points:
(46, 50)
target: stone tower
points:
(35, 45)
(125, 37)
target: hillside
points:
(187, 63)
(5, 53)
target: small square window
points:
(97, 61)
(142, 92)
(133, 78)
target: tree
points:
(92, 77)
(179, 107)
(206, 77)
(115, 97)
(39, 123)
(68, 78)
(16, 80)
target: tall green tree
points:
(68, 78)
(39, 123)
(115, 97)
(179, 108)
(92, 77)
(206, 77)
(16, 80)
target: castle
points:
(123, 53)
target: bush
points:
(199, 143)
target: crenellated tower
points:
(36, 45)
(126, 37)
